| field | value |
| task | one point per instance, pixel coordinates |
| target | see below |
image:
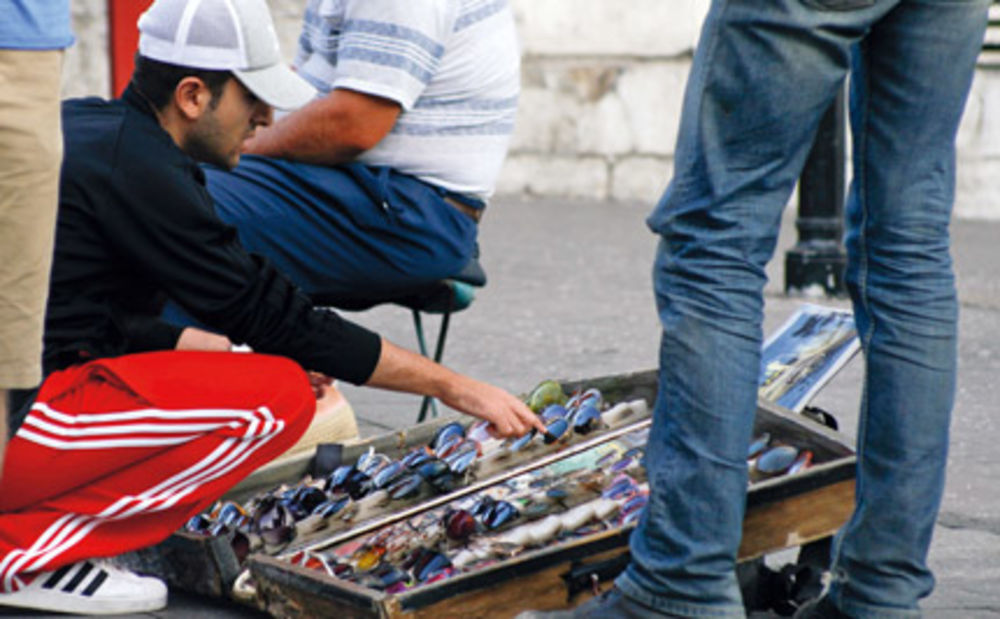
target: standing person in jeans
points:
(139, 425)
(33, 36)
(763, 74)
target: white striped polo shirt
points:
(453, 66)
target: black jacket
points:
(136, 225)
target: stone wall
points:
(602, 91)
(87, 70)
(602, 88)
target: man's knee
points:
(291, 397)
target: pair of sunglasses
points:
(547, 392)
(273, 522)
(369, 556)
(428, 565)
(494, 514)
(460, 524)
(445, 435)
(631, 509)
(387, 578)
(348, 480)
(302, 501)
(591, 397)
(622, 487)
(555, 429)
(767, 460)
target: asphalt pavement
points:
(569, 296)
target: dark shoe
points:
(612, 604)
(820, 608)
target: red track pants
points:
(117, 454)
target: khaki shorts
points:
(30, 154)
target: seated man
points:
(378, 184)
(139, 425)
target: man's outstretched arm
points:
(330, 130)
(399, 369)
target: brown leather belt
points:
(474, 213)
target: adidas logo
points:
(74, 576)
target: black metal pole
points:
(816, 264)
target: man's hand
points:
(193, 338)
(320, 383)
(508, 415)
(402, 370)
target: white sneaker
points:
(90, 588)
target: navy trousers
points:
(344, 232)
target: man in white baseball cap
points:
(213, 40)
(140, 425)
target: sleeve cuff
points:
(366, 349)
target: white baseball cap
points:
(224, 35)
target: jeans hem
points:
(860, 610)
(683, 609)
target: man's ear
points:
(192, 97)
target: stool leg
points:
(418, 326)
(438, 353)
(429, 402)
(442, 334)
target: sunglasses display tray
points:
(782, 512)
(209, 566)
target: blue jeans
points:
(763, 74)
(344, 232)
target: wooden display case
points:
(781, 512)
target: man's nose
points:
(263, 115)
